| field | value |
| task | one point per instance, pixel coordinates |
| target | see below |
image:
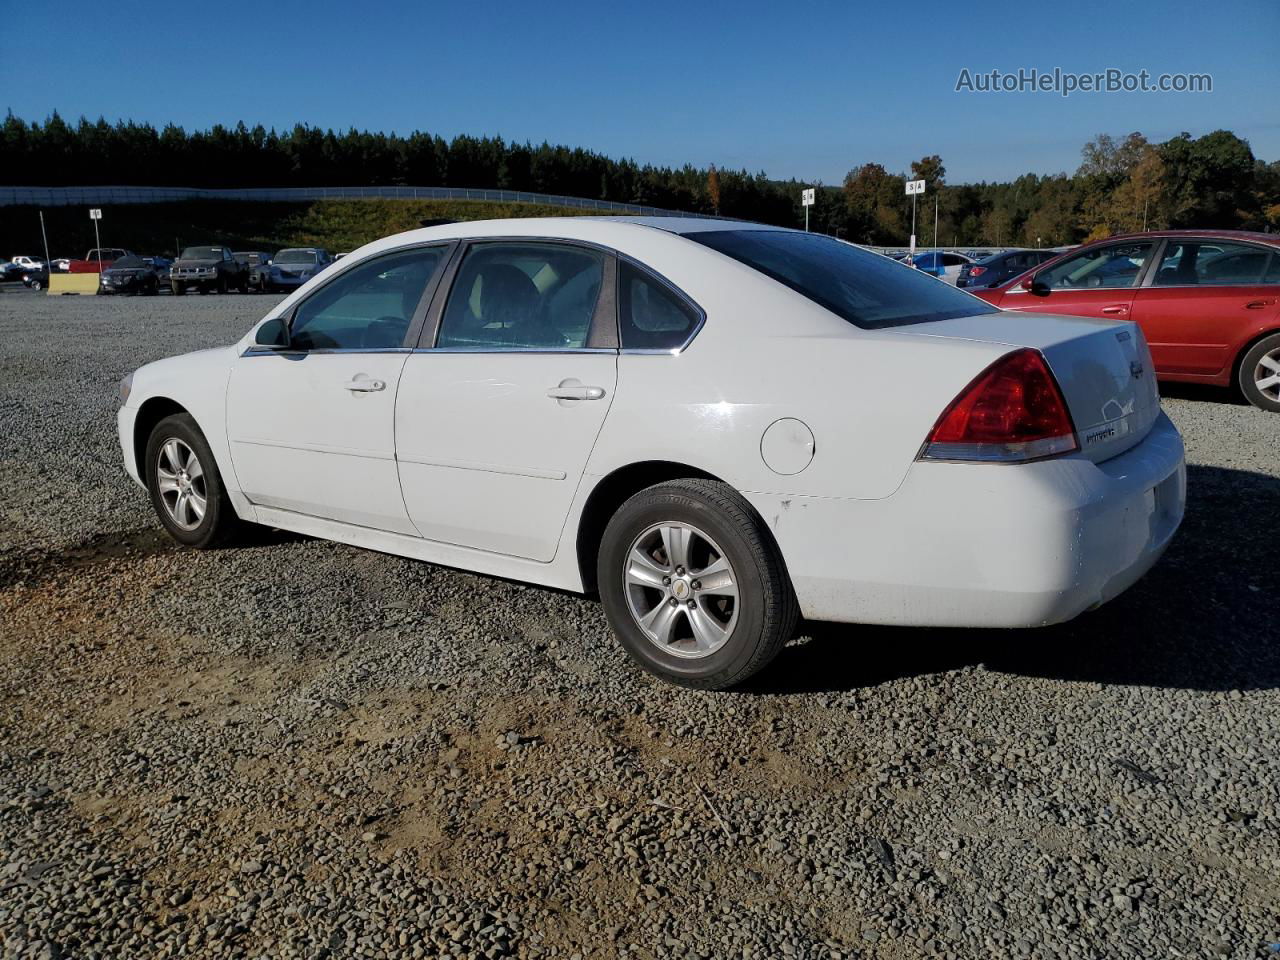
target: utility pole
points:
(935, 218)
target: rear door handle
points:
(365, 385)
(1115, 310)
(576, 393)
(1258, 304)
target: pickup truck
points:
(97, 260)
(208, 269)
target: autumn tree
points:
(713, 189)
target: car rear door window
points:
(1117, 265)
(523, 296)
(652, 315)
(861, 287)
(368, 307)
(1273, 270)
(1212, 263)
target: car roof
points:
(618, 232)
(1257, 237)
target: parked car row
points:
(220, 269)
(207, 269)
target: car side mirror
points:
(1035, 286)
(274, 334)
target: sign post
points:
(95, 214)
(48, 264)
(914, 187)
(806, 198)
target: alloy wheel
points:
(181, 481)
(681, 589)
(1266, 375)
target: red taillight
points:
(1013, 411)
(977, 271)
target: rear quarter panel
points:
(767, 353)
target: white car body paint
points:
(497, 480)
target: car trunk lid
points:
(1103, 367)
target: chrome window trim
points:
(542, 350)
(257, 350)
(680, 295)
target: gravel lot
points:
(291, 748)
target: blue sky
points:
(801, 89)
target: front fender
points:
(196, 382)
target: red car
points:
(1208, 301)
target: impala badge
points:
(1135, 368)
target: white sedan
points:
(718, 427)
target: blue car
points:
(940, 264)
(293, 267)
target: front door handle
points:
(365, 385)
(1258, 304)
(1115, 310)
(578, 392)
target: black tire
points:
(765, 606)
(37, 285)
(219, 522)
(1251, 368)
(178, 288)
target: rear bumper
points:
(985, 545)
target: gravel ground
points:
(291, 748)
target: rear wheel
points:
(693, 585)
(185, 486)
(1260, 374)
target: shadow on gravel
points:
(1202, 619)
(1202, 393)
(34, 567)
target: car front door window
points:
(1110, 267)
(369, 307)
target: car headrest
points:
(507, 295)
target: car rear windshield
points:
(864, 288)
(127, 262)
(296, 256)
